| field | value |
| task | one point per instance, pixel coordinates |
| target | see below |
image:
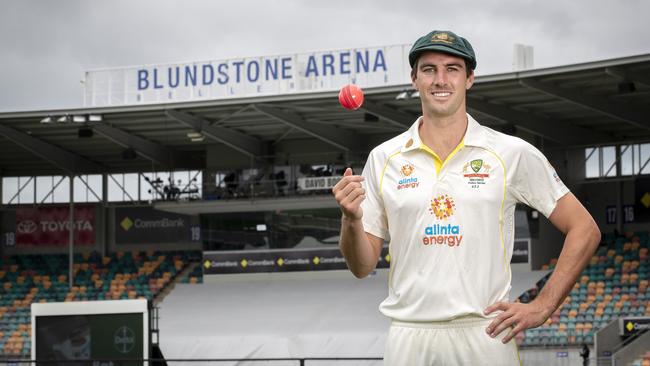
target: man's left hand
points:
(516, 315)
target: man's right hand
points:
(349, 194)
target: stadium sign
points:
(248, 261)
(51, 225)
(145, 225)
(248, 77)
(314, 183)
(630, 325)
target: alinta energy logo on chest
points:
(443, 208)
(407, 181)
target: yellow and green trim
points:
(438, 163)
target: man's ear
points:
(470, 80)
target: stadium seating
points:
(193, 276)
(613, 285)
(26, 279)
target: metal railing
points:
(288, 361)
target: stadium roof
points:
(603, 102)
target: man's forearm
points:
(579, 246)
(359, 253)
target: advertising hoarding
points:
(50, 226)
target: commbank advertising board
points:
(145, 225)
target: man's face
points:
(442, 82)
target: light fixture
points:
(402, 95)
(75, 118)
(195, 136)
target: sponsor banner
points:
(51, 225)
(313, 183)
(629, 326)
(248, 77)
(145, 225)
(279, 261)
(641, 211)
(90, 337)
(521, 251)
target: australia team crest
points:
(476, 172)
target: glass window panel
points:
(115, 193)
(181, 178)
(154, 187)
(635, 158)
(62, 192)
(592, 154)
(644, 155)
(196, 181)
(147, 186)
(9, 189)
(219, 180)
(27, 193)
(609, 161)
(95, 182)
(164, 176)
(131, 186)
(80, 190)
(626, 160)
(43, 188)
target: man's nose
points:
(440, 78)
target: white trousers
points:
(458, 342)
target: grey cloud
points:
(47, 45)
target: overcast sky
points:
(47, 45)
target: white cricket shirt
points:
(451, 223)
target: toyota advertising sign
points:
(50, 226)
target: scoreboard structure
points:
(97, 331)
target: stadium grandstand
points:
(214, 206)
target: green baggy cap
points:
(443, 41)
